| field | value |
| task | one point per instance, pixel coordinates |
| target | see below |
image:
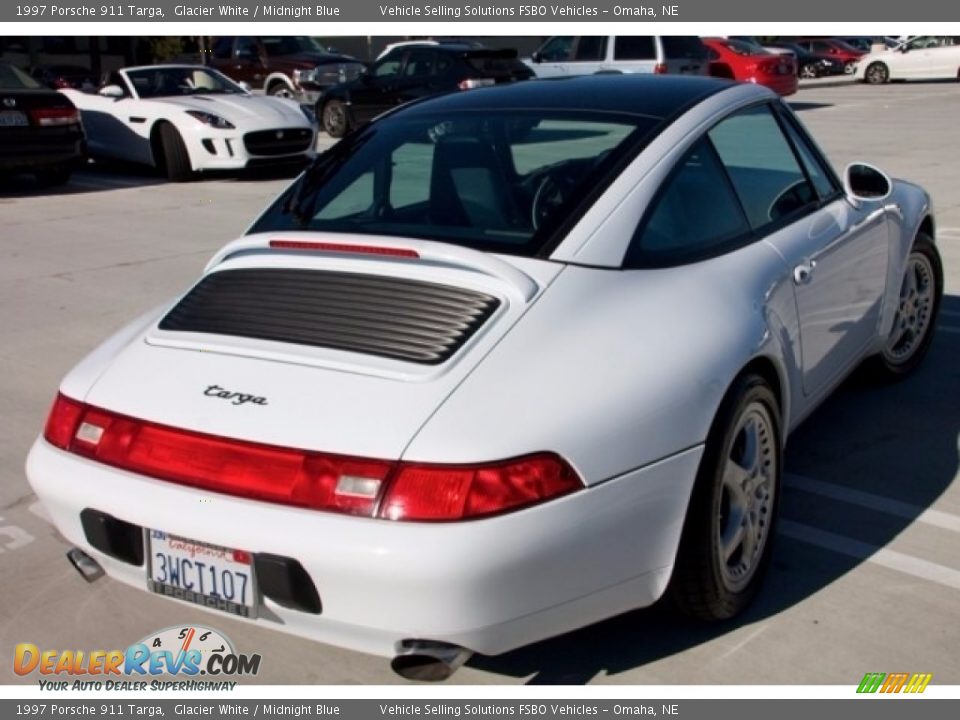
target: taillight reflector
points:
(660, 69)
(46, 117)
(319, 481)
(343, 248)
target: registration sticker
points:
(210, 575)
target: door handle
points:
(803, 273)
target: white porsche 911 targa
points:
(185, 119)
(499, 365)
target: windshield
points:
(13, 79)
(289, 45)
(173, 81)
(499, 181)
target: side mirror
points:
(111, 91)
(245, 86)
(865, 182)
(537, 57)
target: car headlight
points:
(214, 121)
(304, 76)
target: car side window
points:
(695, 215)
(762, 167)
(557, 49)
(246, 48)
(388, 67)
(419, 64)
(634, 47)
(819, 175)
(591, 47)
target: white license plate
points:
(13, 118)
(209, 575)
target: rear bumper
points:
(487, 585)
(28, 150)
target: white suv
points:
(589, 54)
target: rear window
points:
(498, 64)
(501, 181)
(683, 47)
(634, 47)
(13, 79)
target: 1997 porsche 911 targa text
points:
(498, 365)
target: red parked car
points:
(737, 60)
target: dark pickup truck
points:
(286, 66)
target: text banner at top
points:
(285, 11)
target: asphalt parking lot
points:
(866, 572)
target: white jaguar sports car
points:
(499, 365)
(188, 118)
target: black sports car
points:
(413, 71)
(40, 130)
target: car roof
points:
(659, 96)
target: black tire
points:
(916, 314)
(877, 73)
(334, 118)
(709, 582)
(54, 176)
(280, 89)
(175, 160)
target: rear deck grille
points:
(371, 314)
(277, 142)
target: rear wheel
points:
(176, 160)
(334, 118)
(728, 533)
(917, 307)
(877, 73)
(809, 71)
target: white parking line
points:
(890, 559)
(916, 513)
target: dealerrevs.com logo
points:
(187, 652)
(894, 682)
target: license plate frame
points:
(14, 118)
(186, 549)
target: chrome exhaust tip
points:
(428, 660)
(88, 568)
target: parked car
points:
(459, 391)
(738, 60)
(58, 77)
(413, 71)
(810, 65)
(587, 55)
(927, 57)
(835, 48)
(40, 129)
(286, 66)
(184, 119)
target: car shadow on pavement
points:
(896, 442)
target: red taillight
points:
(660, 69)
(63, 421)
(46, 117)
(436, 492)
(306, 479)
(343, 248)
